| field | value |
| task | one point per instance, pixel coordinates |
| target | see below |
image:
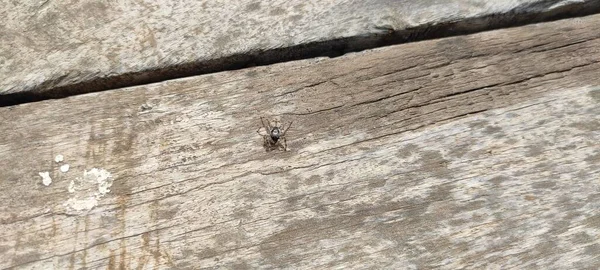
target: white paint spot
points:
(72, 186)
(59, 158)
(101, 177)
(87, 191)
(64, 168)
(80, 206)
(46, 180)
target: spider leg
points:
(267, 143)
(267, 125)
(288, 128)
(284, 144)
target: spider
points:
(275, 135)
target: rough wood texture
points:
(82, 46)
(474, 151)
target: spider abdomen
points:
(275, 134)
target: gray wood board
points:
(476, 151)
(67, 47)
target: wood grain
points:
(50, 48)
(477, 151)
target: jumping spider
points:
(275, 135)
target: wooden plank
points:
(59, 47)
(477, 151)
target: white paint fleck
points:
(72, 186)
(100, 176)
(59, 158)
(64, 168)
(46, 180)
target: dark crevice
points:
(332, 48)
(317, 111)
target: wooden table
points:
(475, 151)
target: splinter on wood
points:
(275, 135)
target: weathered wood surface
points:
(88, 45)
(473, 151)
